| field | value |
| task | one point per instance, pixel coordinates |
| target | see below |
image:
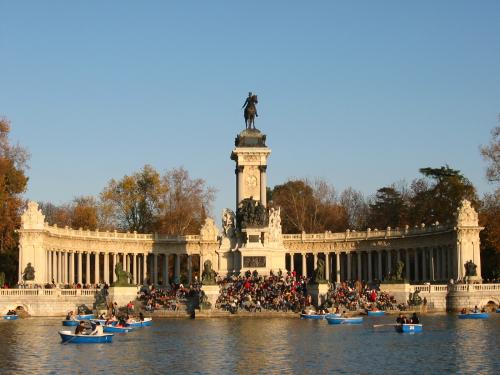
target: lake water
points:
(258, 346)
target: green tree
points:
(387, 209)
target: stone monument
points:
(122, 290)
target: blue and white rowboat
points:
(113, 329)
(70, 337)
(478, 315)
(333, 320)
(147, 322)
(312, 316)
(10, 317)
(85, 317)
(409, 328)
(70, 323)
(375, 313)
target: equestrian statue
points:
(250, 110)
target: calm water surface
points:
(258, 346)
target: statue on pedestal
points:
(470, 268)
(122, 276)
(208, 275)
(250, 110)
(251, 213)
(319, 272)
(29, 273)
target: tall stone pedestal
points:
(401, 292)
(318, 293)
(212, 293)
(122, 294)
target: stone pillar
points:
(72, 267)
(379, 265)
(87, 269)
(97, 267)
(166, 280)
(438, 263)
(49, 266)
(263, 185)
(416, 265)
(106, 268)
(292, 263)
(144, 266)
(370, 275)
(239, 186)
(407, 265)
(127, 261)
(80, 268)
(425, 264)
(134, 267)
(304, 265)
(349, 261)
(315, 262)
(360, 268)
(177, 273)
(189, 269)
(64, 267)
(115, 259)
(431, 264)
(155, 268)
(337, 267)
(389, 261)
(328, 264)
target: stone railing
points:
(456, 288)
(368, 234)
(49, 292)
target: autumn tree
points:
(491, 153)
(356, 208)
(13, 183)
(184, 203)
(308, 207)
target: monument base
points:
(122, 294)
(318, 293)
(212, 293)
(401, 292)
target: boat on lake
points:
(313, 316)
(375, 312)
(10, 317)
(497, 311)
(409, 328)
(70, 323)
(340, 320)
(113, 329)
(473, 315)
(70, 337)
(85, 317)
(145, 323)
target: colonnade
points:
(81, 267)
(420, 264)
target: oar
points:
(382, 325)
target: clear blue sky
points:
(361, 93)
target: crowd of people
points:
(355, 295)
(282, 292)
(169, 298)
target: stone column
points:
(87, 269)
(144, 266)
(155, 268)
(134, 268)
(304, 265)
(177, 273)
(349, 261)
(165, 267)
(97, 267)
(115, 259)
(80, 268)
(72, 267)
(431, 264)
(337, 267)
(389, 261)
(416, 265)
(370, 275)
(59, 267)
(328, 264)
(127, 261)
(438, 263)
(263, 185)
(379, 265)
(49, 266)
(292, 265)
(106, 268)
(315, 262)
(424, 264)
(63, 267)
(407, 264)
(239, 185)
(360, 269)
(189, 269)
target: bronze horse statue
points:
(250, 110)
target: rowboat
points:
(113, 329)
(497, 311)
(145, 323)
(10, 317)
(472, 315)
(337, 320)
(70, 337)
(312, 316)
(408, 328)
(375, 313)
(100, 321)
(70, 323)
(85, 317)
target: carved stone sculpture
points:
(228, 223)
(470, 268)
(122, 276)
(208, 275)
(29, 273)
(251, 213)
(275, 233)
(319, 272)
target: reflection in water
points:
(258, 346)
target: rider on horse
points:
(250, 110)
